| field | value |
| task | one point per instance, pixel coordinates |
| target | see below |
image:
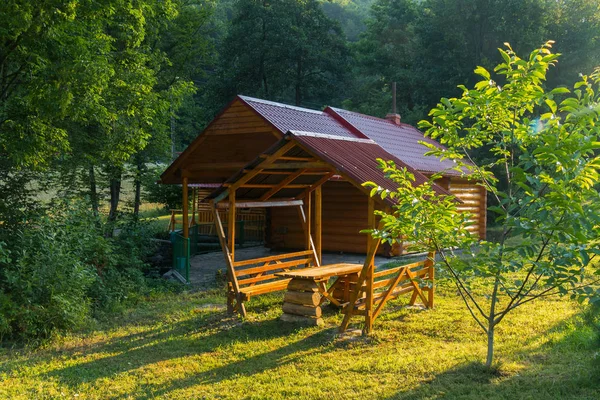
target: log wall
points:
(474, 200)
(345, 214)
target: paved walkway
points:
(205, 267)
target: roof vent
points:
(394, 117)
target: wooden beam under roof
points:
(260, 204)
(298, 165)
(282, 184)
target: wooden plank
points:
(230, 271)
(396, 269)
(324, 271)
(231, 225)
(298, 165)
(263, 288)
(272, 258)
(262, 204)
(184, 190)
(303, 298)
(318, 223)
(296, 309)
(388, 293)
(310, 242)
(211, 166)
(271, 186)
(269, 267)
(429, 263)
(369, 277)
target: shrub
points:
(61, 271)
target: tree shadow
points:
(181, 339)
(540, 376)
(250, 366)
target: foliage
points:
(167, 195)
(548, 205)
(62, 271)
(429, 47)
(284, 50)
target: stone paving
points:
(205, 267)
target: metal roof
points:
(357, 159)
(285, 117)
(354, 158)
(400, 140)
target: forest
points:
(97, 97)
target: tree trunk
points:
(138, 191)
(490, 346)
(93, 190)
(115, 194)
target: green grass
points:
(185, 346)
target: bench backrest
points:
(263, 270)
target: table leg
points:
(302, 302)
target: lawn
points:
(185, 346)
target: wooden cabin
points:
(247, 127)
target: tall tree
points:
(285, 50)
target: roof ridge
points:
(333, 137)
(402, 124)
(277, 104)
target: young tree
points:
(543, 174)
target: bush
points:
(61, 272)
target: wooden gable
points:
(233, 139)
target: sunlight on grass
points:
(185, 346)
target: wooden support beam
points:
(370, 271)
(317, 184)
(232, 281)
(308, 230)
(282, 184)
(186, 228)
(288, 158)
(231, 225)
(318, 222)
(309, 238)
(270, 186)
(298, 165)
(251, 174)
(429, 263)
(261, 204)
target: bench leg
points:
(230, 302)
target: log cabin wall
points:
(345, 214)
(474, 198)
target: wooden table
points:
(308, 289)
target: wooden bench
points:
(257, 276)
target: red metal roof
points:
(400, 140)
(285, 117)
(357, 158)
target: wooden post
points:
(186, 227)
(308, 213)
(233, 288)
(369, 278)
(194, 206)
(318, 223)
(429, 263)
(231, 225)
